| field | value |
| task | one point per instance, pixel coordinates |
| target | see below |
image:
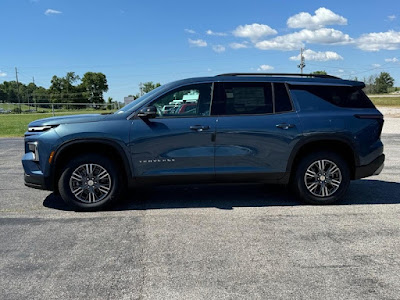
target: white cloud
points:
(210, 32)
(392, 17)
(198, 43)
(218, 48)
(265, 68)
(376, 65)
(375, 41)
(3, 74)
(296, 40)
(322, 17)
(279, 44)
(254, 31)
(393, 60)
(238, 45)
(341, 71)
(191, 31)
(317, 56)
(50, 11)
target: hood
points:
(52, 121)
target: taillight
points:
(378, 118)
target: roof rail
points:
(280, 74)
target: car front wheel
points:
(90, 182)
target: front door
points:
(179, 142)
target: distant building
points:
(128, 99)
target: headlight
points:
(40, 128)
(33, 147)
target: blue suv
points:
(312, 132)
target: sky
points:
(161, 41)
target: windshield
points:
(139, 102)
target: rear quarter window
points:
(342, 96)
(282, 100)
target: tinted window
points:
(243, 98)
(282, 100)
(191, 100)
(343, 96)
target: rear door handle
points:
(285, 126)
(199, 127)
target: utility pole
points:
(302, 64)
(19, 101)
(141, 89)
(34, 101)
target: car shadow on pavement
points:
(361, 192)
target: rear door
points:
(256, 130)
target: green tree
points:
(10, 90)
(94, 85)
(27, 96)
(383, 82)
(41, 95)
(137, 95)
(370, 84)
(63, 90)
(319, 73)
(110, 102)
(56, 89)
(149, 86)
(3, 95)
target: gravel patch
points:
(390, 112)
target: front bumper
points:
(34, 181)
(373, 168)
(34, 176)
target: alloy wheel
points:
(323, 178)
(90, 183)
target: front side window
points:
(243, 99)
(187, 101)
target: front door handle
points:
(199, 127)
(285, 126)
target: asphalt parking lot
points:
(202, 242)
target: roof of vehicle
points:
(290, 78)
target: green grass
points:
(385, 101)
(15, 125)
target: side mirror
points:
(149, 112)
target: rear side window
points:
(282, 100)
(342, 96)
(243, 98)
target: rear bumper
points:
(374, 168)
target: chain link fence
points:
(54, 108)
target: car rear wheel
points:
(90, 182)
(321, 178)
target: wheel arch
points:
(341, 146)
(76, 147)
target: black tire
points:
(107, 190)
(318, 195)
